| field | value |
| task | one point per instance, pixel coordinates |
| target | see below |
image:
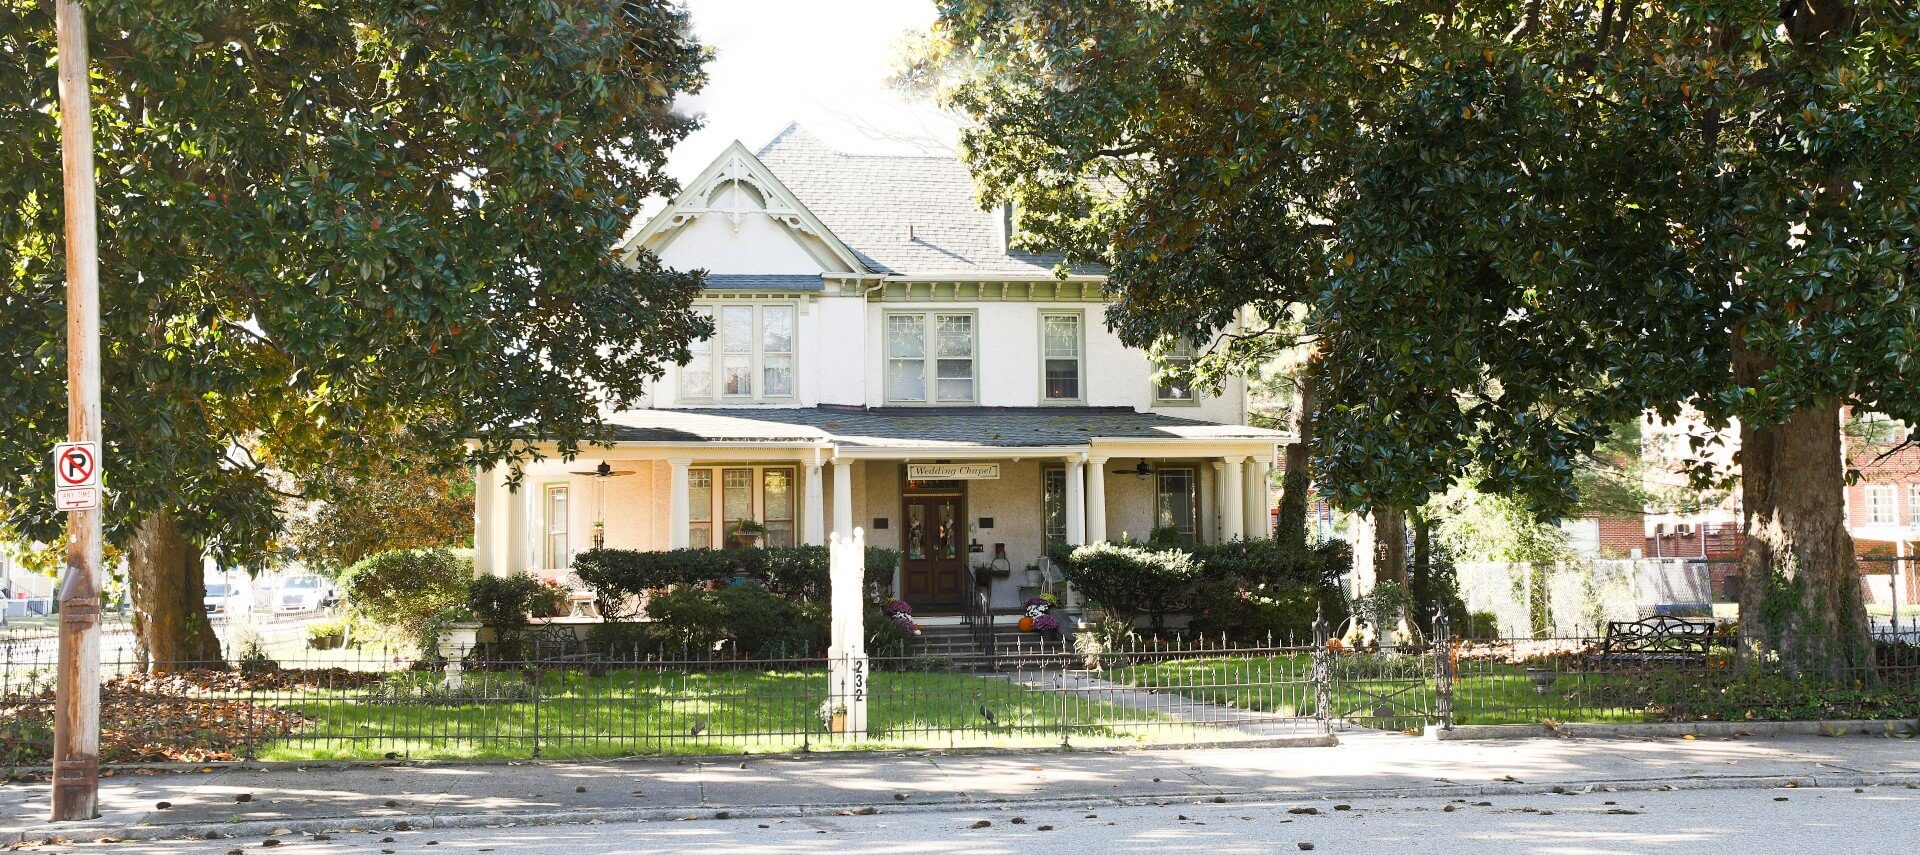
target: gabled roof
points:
(736, 163)
(870, 201)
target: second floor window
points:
(749, 357)
(931, 358)
(1178, 356)
(1060, 349)
(1880, 504)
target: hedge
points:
(622, 576)
(1246, 589)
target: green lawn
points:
(1392, 692)
(647, 712)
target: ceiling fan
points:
(1140, 470)
(604, 470)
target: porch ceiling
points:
(958, 429)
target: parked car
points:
(217, 597)
(302, 594)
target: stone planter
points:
(455, 642)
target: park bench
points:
(1654, 641)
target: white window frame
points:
(1173, 353)
(1079, 319)
(1882, 504)
(1913, 504)
(929, 359)
(715, 355)
(1191, 527)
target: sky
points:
(822, 63)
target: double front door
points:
(933, 548)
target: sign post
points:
(76, 710)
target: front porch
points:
(947, 489)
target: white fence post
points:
(848, 677)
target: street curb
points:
(109, 827)
(1668, 730)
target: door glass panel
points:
(1176, 503)
(1054, 502)
(915, 536)
(946, 533)
(776, 500)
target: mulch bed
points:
(187, 716)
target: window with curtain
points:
(1060, 360)
(750, 356)
(1176, 501)
(931, 358)
(700, 507)
(776, 502)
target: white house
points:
(883, 359)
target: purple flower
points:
(1046, 623)
(904, 621)
(1035, 601)
(897, 607)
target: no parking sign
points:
(76, 476)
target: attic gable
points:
(737, 217)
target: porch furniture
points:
(1655, 641)
(556, 644)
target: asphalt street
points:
(1697, 822)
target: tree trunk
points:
(166, 581)
(1800, 591)
(1291, 527)
(1390, 566)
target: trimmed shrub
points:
(1134, 580)
(622, 577)
(757, 622)
(505, 602)
(408, 591)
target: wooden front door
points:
(933, 550)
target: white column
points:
(484, 534)
(1219, 517)
(678, 513)
(518, 541)
(1258, 527)
(1076, 503)
(1232, 504)
(843, 498)
(1096, 499)
(816, 509)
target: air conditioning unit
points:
(1659, 529)
(1682, 529)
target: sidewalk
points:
(322, 798)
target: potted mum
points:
(901, 615)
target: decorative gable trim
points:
(737, 164)
(1072, 290)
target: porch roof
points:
(902, 427)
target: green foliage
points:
(1476, 526)
(623, 576)
(406, 591)
(329, 633)
(1513, 225)
(1134, 580)
(382, 503)
(756, 622)
(328, 230)
(505, 602)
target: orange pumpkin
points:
(1026, 624)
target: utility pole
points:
(76, 716)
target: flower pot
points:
(457, 639)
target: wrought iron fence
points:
(575, 702)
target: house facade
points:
(884, 359)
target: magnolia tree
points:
(1510, 225)
(327, 230)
